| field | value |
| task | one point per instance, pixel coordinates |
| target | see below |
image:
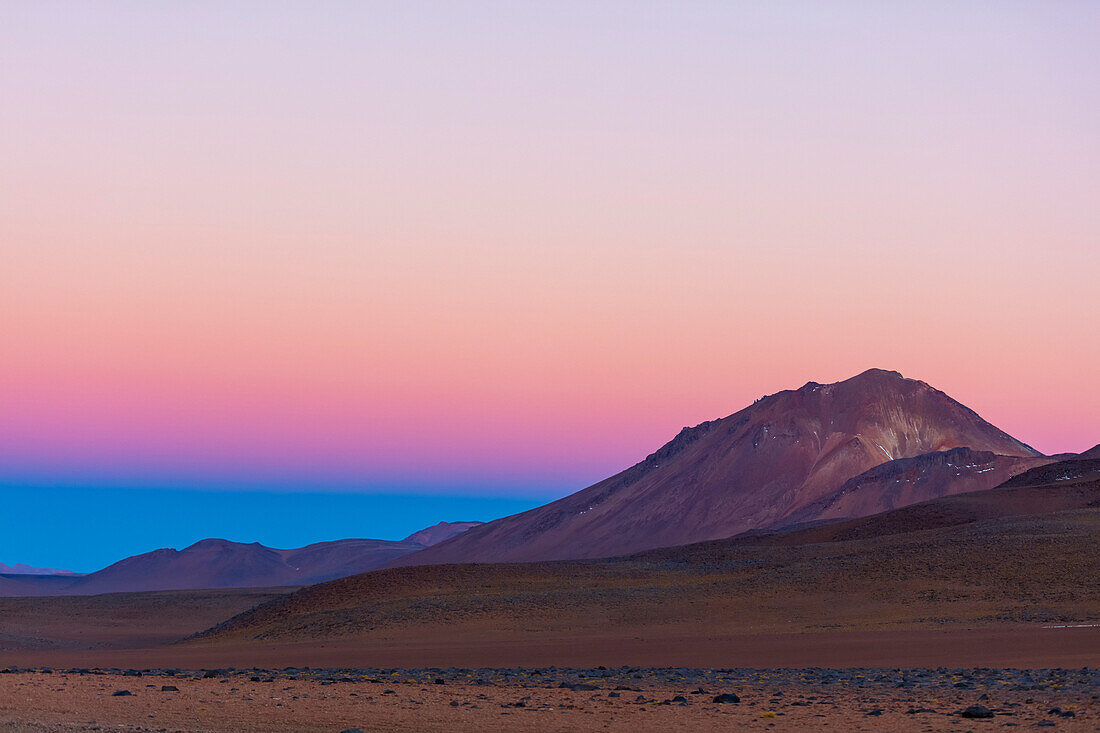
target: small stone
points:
(726, 697)
(169, 688)
(121, 693)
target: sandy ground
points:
(526, 700)
(1024, 646)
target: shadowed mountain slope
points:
(753, 469)
(1067, 471)
(910, 480)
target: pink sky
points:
(522, 244)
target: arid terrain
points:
(617, 699)
(969, 609)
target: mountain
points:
(758, 468)
(21, 569)
(440, 532)
(218, 563)
(1009, 554)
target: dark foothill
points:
(977, 711)
(121, 693)
(726, 697)
(169, 688)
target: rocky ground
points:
(548, 699)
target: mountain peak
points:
(876, 373)
(865, 381)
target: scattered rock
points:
(169, 688)
(726, 697)
(121, 693)
(977, 711)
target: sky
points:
(264, 264)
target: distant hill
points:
(21, 569)
(219, 563)
(769, 465)
(440, 532)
